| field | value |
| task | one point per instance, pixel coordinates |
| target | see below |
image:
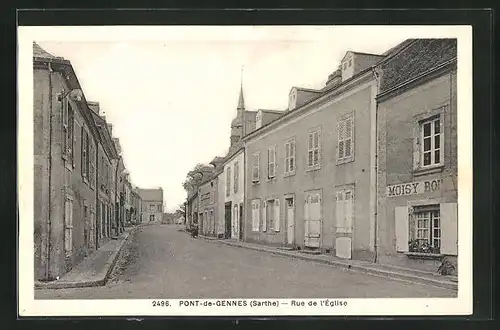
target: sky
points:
(171, 95)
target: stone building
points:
(311, 172)
(417, 153)
(152, 204)
(66, 141)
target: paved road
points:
(161, 262)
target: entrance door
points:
(151, 217)
(227, 216)
(312, 220)
(290, 221)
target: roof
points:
(307, 89)
(416, 59)
(241, 100)
(272, 111)
(328, 89)
(151, 194)
(40, 52)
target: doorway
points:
(290, 221)
(227, 222)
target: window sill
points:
(271, 179)
(288, 174)
(428, 170)
(421, 255)
(345, 160)
(256, 182)
(313, 168)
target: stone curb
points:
(395, 275)
(91, 283)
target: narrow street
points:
(162, 262)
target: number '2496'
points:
(161, 303)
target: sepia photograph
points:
(213, 170)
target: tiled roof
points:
(151, 194)
(417, 58)
(40, 52)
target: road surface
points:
(163, 262)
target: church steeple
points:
(241, 101)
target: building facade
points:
(207, 207)
(417, 177)
(152, 204)
(65, 167)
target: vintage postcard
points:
(245, 170)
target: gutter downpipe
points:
(49, 223)
(375, 229)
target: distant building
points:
(152, 204)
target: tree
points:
(196, 176)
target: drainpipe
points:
(375, 229)
(49, 224)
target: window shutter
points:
(449, 228)
(264, 217)
(340, 139)
(306, 216)
(277, 215)
(401, 225)
(350, 135)
(254, 215)
(339, 212)
(257, 215)
(416, 147)
(348, 210)
(82, 165)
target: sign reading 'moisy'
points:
(414, 188)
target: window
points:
(85, 154)
(255, 167)
(345, 145)
(255, 214)
(431, 142)
(68, 130)
(228, 181)
(344, 211)
(427, 233)
(68, 226)
(313, 153)
(271, 162)
(159, 208)
(236, 172)
(91, 157)
(350, 62)
(345, 65)
(272, 215)
(290, 157)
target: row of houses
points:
(83, 193)
(364, 168)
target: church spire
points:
(241, 101)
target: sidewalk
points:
(389, 271)
(95, 269)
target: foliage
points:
(416, 245)
(196, 176)
(446, 267)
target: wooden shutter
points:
(340, 139)
(264, 217)
(277, 215)
(416, 147)
(348, 210)
(401, 224)
(449, 229)
(306, 216)
(339, 211)
(73, 140)
(349, 137)
(257, 215)
(84, 152)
